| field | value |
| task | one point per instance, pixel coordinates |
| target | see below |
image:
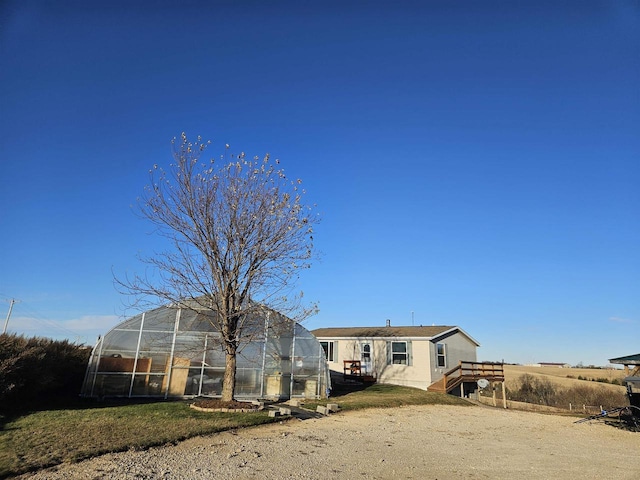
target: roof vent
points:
(388, 322)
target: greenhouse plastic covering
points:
(173, 352)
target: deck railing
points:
(469, 372)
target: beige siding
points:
(414, 375)
(420, 374)
(457, 348)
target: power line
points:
(42, 320)
(5, 296)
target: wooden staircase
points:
(468, 372)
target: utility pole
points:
(6, 322)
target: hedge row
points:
(39, 371)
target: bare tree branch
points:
(240, 233)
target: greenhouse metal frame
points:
(175, 352)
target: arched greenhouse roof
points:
(176, 352)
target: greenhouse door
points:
(365, 354)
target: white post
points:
(169, 374)
(97, 365)
(204, 360)
(292, 361)
(504, 396)
(264, 353)
(135, 360)
(6, 322)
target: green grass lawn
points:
(387, 396)
(40, 439)
(46, 438)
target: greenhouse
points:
(176, 352)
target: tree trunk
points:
(229, 382)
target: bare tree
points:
(240, 234)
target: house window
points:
(399, 353)
(441, 355)
(330, 350)
(366, 353)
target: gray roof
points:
(628, 360)
(389, 332)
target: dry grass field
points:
(566, 377)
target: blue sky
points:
(475, 163)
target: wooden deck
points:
(353, 372)
(468, 372)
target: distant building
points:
(551, 364)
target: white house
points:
(408, 356)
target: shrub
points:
(36, 368)
(531, 389)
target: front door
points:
(365, 353)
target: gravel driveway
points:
(423, 442)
